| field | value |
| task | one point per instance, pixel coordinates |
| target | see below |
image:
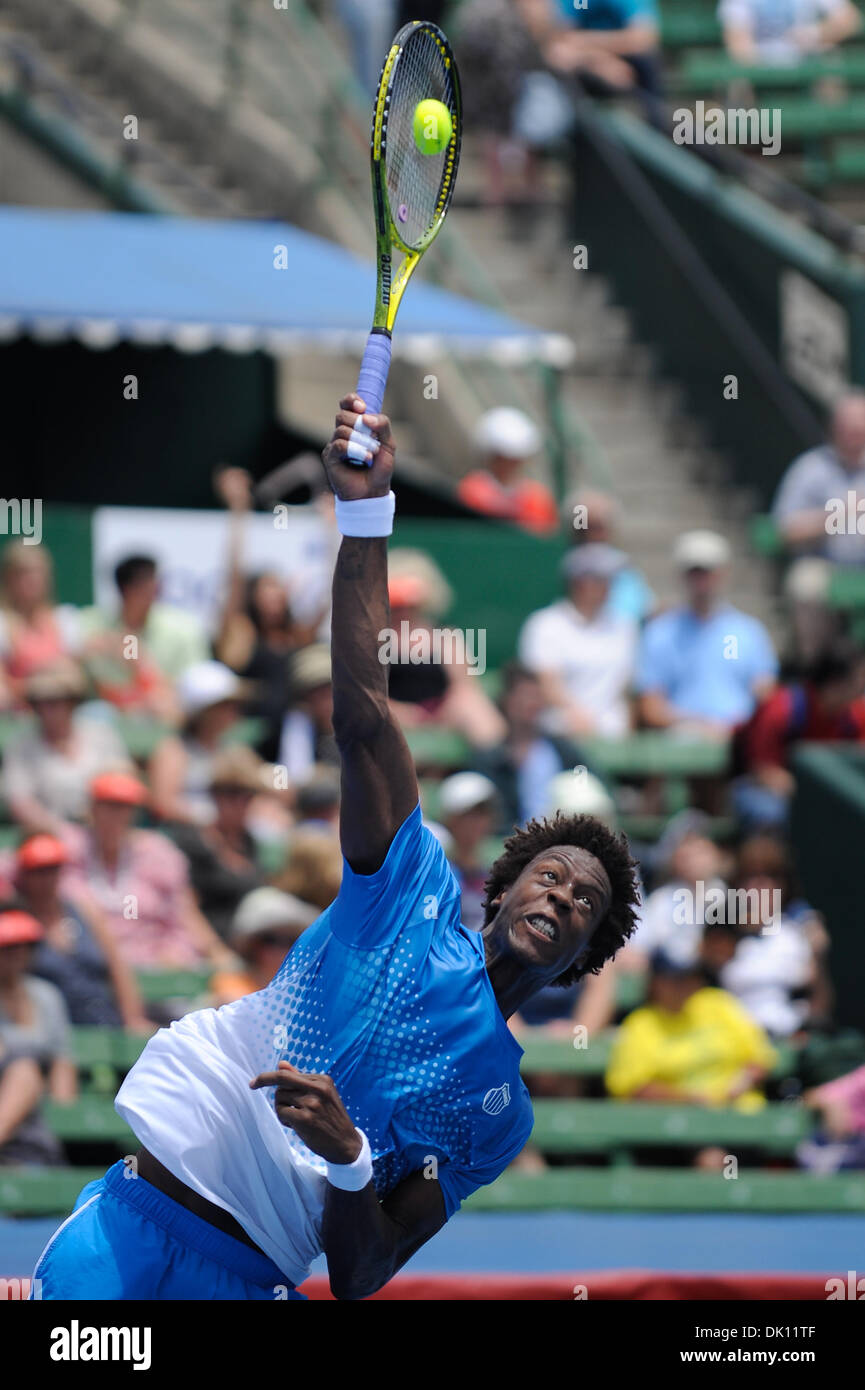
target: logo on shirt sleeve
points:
(496, 1099)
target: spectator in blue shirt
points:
(612, 45)
(704, 665)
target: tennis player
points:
(355, 1102)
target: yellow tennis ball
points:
(432, 126)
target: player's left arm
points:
(366, 1241)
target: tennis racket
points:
(411, 191)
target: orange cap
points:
(42, 852)
(118, 786)
(18, 927)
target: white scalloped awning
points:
(102, 278)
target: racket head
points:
(412, 191)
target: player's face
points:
(546, 918)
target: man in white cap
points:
(507, 440)
(583, 654)
(467, 810)
(703, 665)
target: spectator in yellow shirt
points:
(690, 1044)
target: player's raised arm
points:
(379, 788)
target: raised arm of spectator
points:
(122, 978)
(234, 640)
(379, 787)
(842, 22)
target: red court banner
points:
(622, 1285)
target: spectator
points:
(318, 801)
(170, 639)
(612, 46)
(821, 476)
(827, 706)
(33, 1017)
(258, 631)
(24, 1136)
(775, 972)
(493, 43)
(467, 811)
(583, 655)
(140, 881)
(181, 768)
(426, 685)
(222, 856)
(77, 953)
(762, 31)
(704, 664)
(689, 1044)
(507, 440)
(839, 1145)
(266, 925)
(313, 869)
(47, 769)
(307, 729)
(522, 766)
(593, 516)
(673, 914)
(34, 631)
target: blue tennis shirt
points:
(386, 992)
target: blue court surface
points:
(550, 1242)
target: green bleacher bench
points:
(112, 1047)
(43, 1191)
(655, 754)
(701, 71)
(90, 1118)
(605, 1126)
(559, 1056)
(765, 536)
(806, 119)
(157, 985)
(670, 1189)
(688, 28)
(437, 747)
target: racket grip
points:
(373, 371)
(371, 382)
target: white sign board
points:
(191, 550)
(815, 338)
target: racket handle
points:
(374, 369)
(371, 382)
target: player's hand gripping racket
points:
(415, 148)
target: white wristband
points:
(369, 516)
(352, 1177)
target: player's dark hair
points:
(132, 569)
(611, 849)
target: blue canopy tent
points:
(107, 277)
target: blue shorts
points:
(126, 1240)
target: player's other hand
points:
(354, 480)
(310, 1105)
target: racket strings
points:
(414, 180)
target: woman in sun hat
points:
(47, 768)
(210, 696)
(223, 856)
